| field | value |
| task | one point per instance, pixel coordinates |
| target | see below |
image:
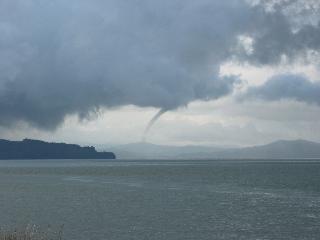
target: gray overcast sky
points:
(234, 72)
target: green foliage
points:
(31, 232)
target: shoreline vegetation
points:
(36, 149)
(31, 232)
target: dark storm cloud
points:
(282, 29)
(295, 87)
(74, 57)
(276, 40)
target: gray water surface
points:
(164, 199)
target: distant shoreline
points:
(29, 149)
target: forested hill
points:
(35, 149)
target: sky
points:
(231, 73)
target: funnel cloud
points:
(152, 122)
(75, 57)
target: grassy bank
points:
(31, 233)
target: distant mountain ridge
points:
(146, 150)
(36, 149)
(282, 149)
(285, 149)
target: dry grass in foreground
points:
(31, 233)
